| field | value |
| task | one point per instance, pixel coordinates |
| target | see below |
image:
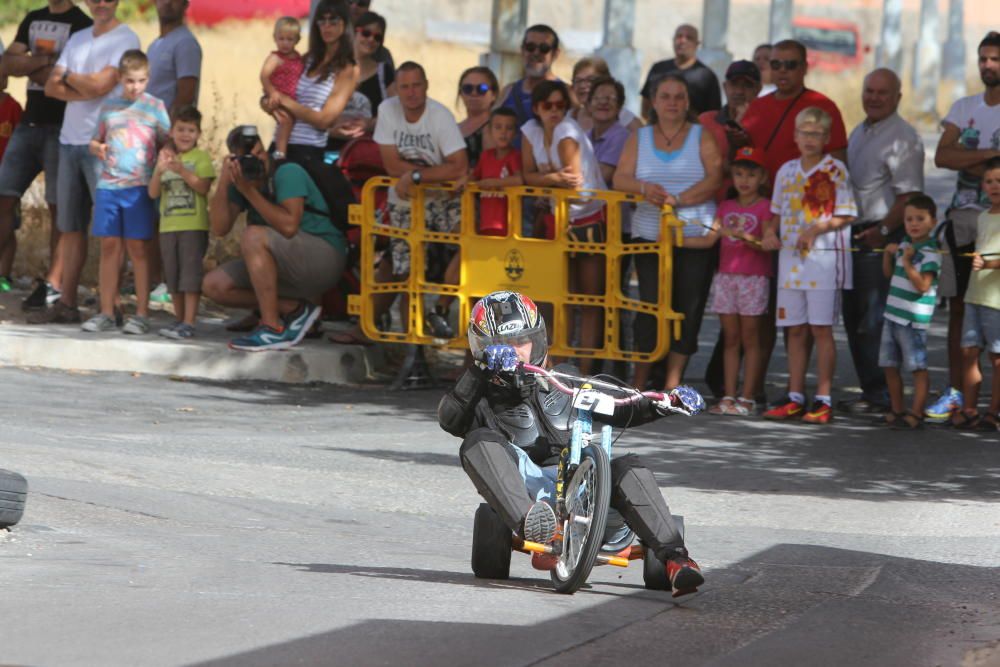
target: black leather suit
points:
(536, 417)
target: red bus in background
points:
(834, 46)
(210, 12)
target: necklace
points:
(670, 139)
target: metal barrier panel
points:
(536, 267)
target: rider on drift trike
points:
(514, 426)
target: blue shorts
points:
(903, 346)
(981, 328)
(127, 213)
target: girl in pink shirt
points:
(280, 74)
(740, 288)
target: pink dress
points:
(285, 77)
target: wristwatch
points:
(415, 177)
(884, 230)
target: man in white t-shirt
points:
(420, 144)
(87, 70)
(971, 137)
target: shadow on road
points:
(788, 605)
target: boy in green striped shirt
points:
(912, 268)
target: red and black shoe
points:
(684, 575)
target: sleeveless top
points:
(285, 77)
(375, 87)
(311, 92)
(592, 178)
(676, 171)
(474, 145)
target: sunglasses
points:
(790, 65)
(369, 34)
(103, 2)
(531, 47)
(549, 106)
(475, 89)
(329, 20)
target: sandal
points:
(966, 420)
(903, 423)
(889, 419)
(350, 337)
(725, 406)
(746, 407)
(989, 423)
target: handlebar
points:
(634, 394)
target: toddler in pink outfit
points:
(281, 73)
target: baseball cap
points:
(751, 155)
(743, 69)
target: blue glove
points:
(499, 358)
(683, 400)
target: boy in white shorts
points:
(813, 206)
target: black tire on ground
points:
(491, 545)
(654, 573)
(569, 581)
(13, 491)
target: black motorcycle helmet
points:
(507, 318)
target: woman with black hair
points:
(326, 85)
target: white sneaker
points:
(160, 294)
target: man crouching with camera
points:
(291, 251)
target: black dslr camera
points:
(241, 143)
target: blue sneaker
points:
(299, 321)
(940, 410)
(263, 338)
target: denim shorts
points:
(903, 346)
(125, 213)
(32, 149)
(78, 171)
(981, 328)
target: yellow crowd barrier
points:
(538, 268)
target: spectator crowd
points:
(791, 221)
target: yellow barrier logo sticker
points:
(513, 264)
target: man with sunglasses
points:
(539, 49)
(86, 72)
(34, 146)
(770, 120)
(702, 82)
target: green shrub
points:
(12, 11)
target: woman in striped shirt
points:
(671, 162)
(325, 86)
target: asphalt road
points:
(188, 523)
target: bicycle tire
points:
(576, 562)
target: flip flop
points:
(350, 337)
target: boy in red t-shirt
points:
(10, 116)
(498, 168)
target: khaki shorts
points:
(965, 223)
(307, 266)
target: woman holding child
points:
(671, 162)
(326, 85)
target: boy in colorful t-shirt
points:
(130, 131)
(181, 181)
(909, 308)
(813, 206)
(498, 167)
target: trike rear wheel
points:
(588, 497)
(491, 545)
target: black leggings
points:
(692, 278)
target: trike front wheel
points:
(588, 497)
